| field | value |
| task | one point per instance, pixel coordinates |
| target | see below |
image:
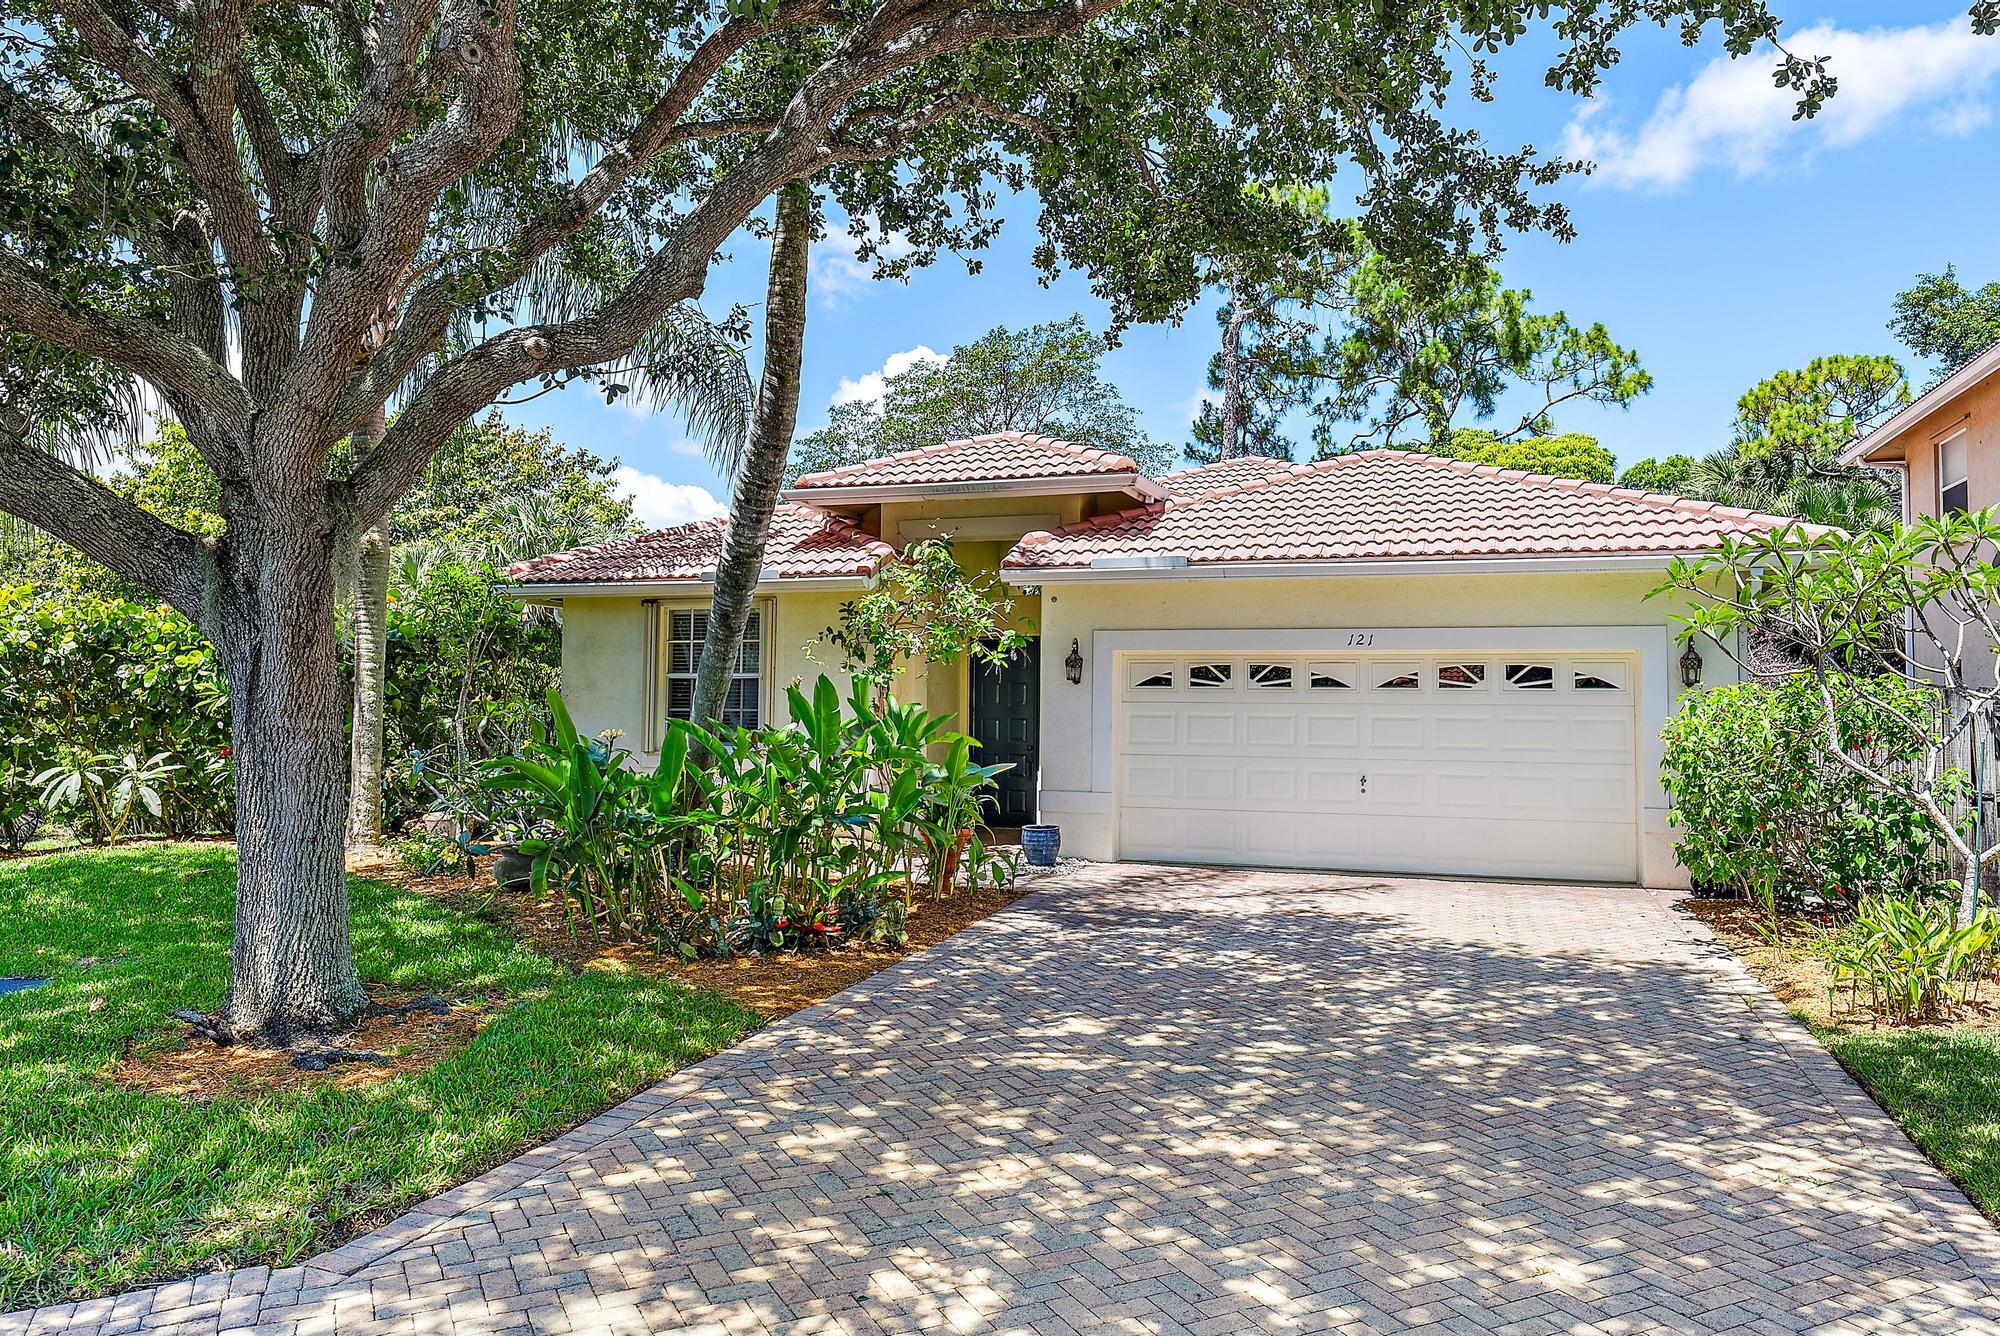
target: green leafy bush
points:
(123, 696)
(1906, 956)
(465, 669)
(771, 838)
(1764, 808)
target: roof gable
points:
(1237, 472)
(1008, 456)
(804, 544)
(1393, 505)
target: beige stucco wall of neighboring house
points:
(1551, 610)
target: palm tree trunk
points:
(371, 657)
(762, 474)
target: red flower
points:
(225, 753)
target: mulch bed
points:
(399, 1037)
(1800, 977)
(404, 1033)
(771, 985)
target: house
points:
(1945, 442)
(1383, 661)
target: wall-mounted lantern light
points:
(1073, 665)
(1690, 666)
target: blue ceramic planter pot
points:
(1040, 844)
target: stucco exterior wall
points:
(1604, 609)
(604, 656)
(1978, 412)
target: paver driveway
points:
(1164, 1099)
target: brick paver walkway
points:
(1168, 1099)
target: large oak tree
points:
(279, 217)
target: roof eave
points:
(1133, 484)
(704, 585)
(1547, 563)
(1869, 449)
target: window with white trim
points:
(1954, 468)
(686, 631)
(1152, 677)
(1208, 675)
(1586, 675)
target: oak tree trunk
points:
(762, 474)
(371, 659)
(292, 972)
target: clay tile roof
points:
(805, 543)
(1394, 505)
(1002, 456)
(1223, 473)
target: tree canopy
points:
(1783, 457)
(1047, 378)
(1938, 317)
(1570, 455)
(1379, 353)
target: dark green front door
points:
(1006, 721)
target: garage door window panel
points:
(1209, 676)
(1531, 676)
(1332, 676)
(1271, 676)
(1461, 677)
(1397, 677)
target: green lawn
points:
(102, 1188)
(1943, 1087)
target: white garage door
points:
(1517, 765)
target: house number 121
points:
(1360, 638)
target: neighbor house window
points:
(1953, 468)
(687, 630)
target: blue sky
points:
(1718, 238)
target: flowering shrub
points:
(93, 676)
(1764, 808)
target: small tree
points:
(1842, 605)
(924, 608)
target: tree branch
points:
(193, 382)
(138, 545)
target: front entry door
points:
(1006, 722)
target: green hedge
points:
(99, 674)
(1762, 806)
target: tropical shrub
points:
(465, 668)
(772, 838)
(124, 697)
(1764, 809)
(1906, 957)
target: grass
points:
(103, 1187)
(1943, 1087)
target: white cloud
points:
(867, 389)
(837, 272)
(660, 504)
(1732, 114)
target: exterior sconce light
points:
(1073, 665)
(1690, 666)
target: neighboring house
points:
(1945, 442)
(1384, 661)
